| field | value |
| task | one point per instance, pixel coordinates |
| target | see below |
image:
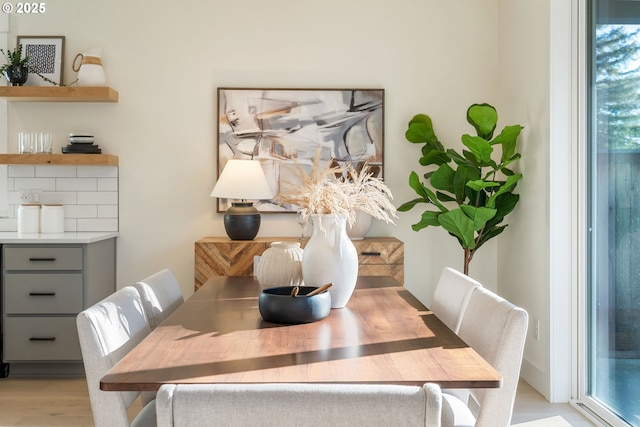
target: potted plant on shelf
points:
(330, 195)
(472, 192)
(16, 70)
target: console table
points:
(221, 256)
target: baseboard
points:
(535, 377)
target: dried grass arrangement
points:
(339, 191)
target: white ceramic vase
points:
(331, 257)
(280, 265)
(360, 226)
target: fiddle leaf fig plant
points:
(469, 193)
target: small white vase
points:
(331, 257)
(280, 265)
(360, 226)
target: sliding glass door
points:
(612, 383)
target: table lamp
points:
(242, 180)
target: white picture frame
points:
(46, 54)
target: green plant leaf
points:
(460, 225)
(480, 148)
(444, 197)
(458, 159)
(505, 203)
(421, 130)
(508, 138)
(428, 218)
(479, 215)
(442, 179)
(483, 117)
(433, 157)
(410, 204)
(509, 185)
(418, 187)
(489, 234)
(480, 184)
(463, 175)
(428, 196)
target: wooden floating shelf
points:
(59, 93)
(59, 159)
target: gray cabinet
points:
(44, 287)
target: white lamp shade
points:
(242, 179)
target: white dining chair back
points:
(495, 329)
(300, 405)
(108, 330)
(451, 297)
(160, 294)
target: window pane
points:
(614, 246)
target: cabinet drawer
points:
(48, 293)
(40, 339)
(42, 258)
(380, 252)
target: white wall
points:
(523, 264)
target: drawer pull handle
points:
(42, 259)
(371, 253)
(42, 294)
(42, 339)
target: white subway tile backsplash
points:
(21, 171)
(98, 198)
(8, 224)
(59, 197)
(56, 171)
(70, 225)
(81, 211)
(76, 184)
(45, 184)
(107, 184)
(97, 224)
(89, 194)
(107, 211)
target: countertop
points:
(8, 237)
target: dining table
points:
(384, 335)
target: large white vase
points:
(360, 227)
(331, 257)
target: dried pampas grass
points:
(338, 191)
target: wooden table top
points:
(383, 335)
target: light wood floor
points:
(65, 402)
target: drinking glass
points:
(25, 142)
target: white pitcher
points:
(90, 71)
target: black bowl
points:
(278, 306)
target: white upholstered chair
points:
(160, 294)
(451, 297)
(108, 330)
(495, 329)
(298, 405)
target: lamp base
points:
(242, 221)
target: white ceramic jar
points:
(52, 219)
(280, 265)
(29, 218)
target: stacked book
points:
(81, 144)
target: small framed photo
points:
(46, 56)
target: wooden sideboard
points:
(220, 256)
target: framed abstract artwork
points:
(46, 55)
(281, 127)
